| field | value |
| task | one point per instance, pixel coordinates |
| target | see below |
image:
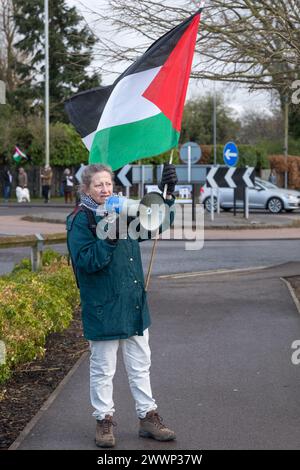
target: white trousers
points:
(103, 362)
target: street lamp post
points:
(47, 152)
(286, 139)
(215, 125)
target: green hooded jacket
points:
(111, 281)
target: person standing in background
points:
(46, 180)
(22, 191)
(273, 177)
(77, 182)
(7, 183)
(68, 185)
(22, 178)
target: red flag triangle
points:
(168, 89)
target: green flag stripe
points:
(119, 145)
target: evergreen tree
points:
(70, 53)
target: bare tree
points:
(252, 42)
(9, 56)
(7, 35)
(258, 127)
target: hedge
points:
(32, 305)
(292, 165)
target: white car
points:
(264, 195)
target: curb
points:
(39, 205)
(44, 220)
(292, 292)
(46, 405)
(33, 218)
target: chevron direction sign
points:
(123, 177)
(221, 177)
(131, 174)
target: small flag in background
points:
(139, 115)
(18, 155)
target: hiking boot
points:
(104, 432)
(151, 426)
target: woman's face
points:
(101, 187)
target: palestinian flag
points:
(139, 115)
(18, 155)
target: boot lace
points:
(107, 423)
(157, 420)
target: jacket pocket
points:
(99, 311)
(105, 319)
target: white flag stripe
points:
(126, 103)
(88, 140)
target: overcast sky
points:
(239, 99)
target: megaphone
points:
(151, 209)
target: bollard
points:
(2, 353)
(36, 253)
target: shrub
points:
(32, 305)
(278, 162)
(49, 256)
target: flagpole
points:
(157, 234)
(47, 157)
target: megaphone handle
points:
(157, 234)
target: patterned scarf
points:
(87, 201)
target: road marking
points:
(210, 273)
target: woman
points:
(273, 177)
(68, 186)
(46, 180)
(114, 307)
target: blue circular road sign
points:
(230, 154)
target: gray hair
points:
(89, 172)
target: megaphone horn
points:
(152, 211)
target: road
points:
(171, 256)
(221, 370)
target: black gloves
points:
(169, 177)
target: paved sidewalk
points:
(37, 204)
(221, 370)
(14, 225)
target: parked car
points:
(264, 195)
